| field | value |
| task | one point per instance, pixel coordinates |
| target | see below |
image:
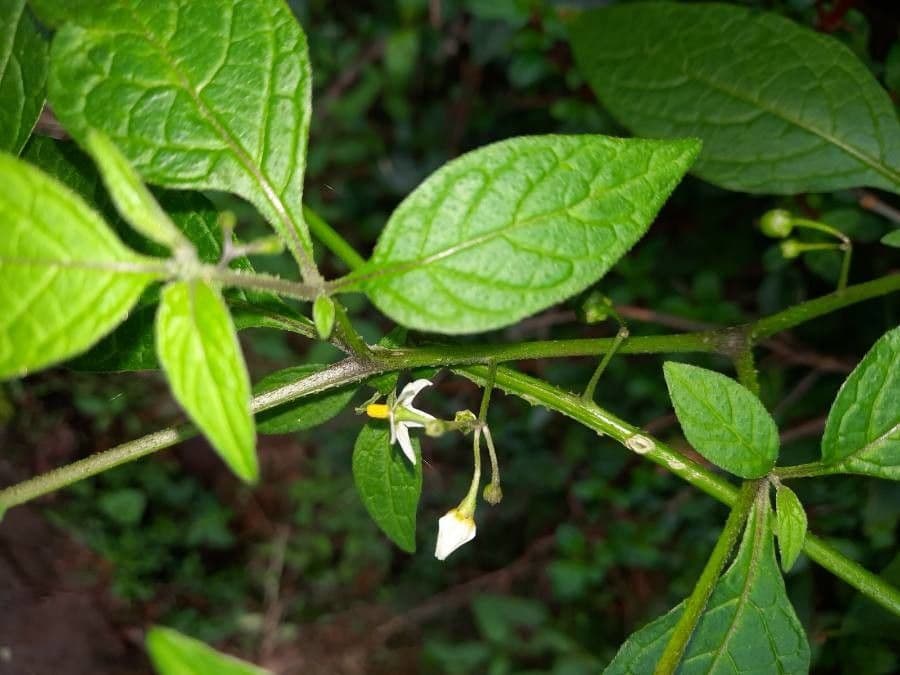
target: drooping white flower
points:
(403, 416)
(455, 528)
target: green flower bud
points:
(776, 223)
(492, 494)
(323, 316)
(595, 307)
(791, 248)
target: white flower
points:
(403, 416)
(454, 529)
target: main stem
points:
(696, 602)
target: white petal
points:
(405, 443)
(411, 390)
(393, 428)
(454, 530)
(419, 412)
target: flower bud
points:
(791, 248)
(776, 223)
(323, 316)
(595, 308)
(454, 530)
(492, 494)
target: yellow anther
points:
(378, 410)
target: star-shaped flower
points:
(403, 416)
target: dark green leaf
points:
(780, 108)
(173, 653)
(749, 625)
(65, 278)
(202, 94)
(23, 74)
(507, 230)
(862, 434)
(790, 525)
(198, 349)
(305, 413)
(724, 421)
(388, 484)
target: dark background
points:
(589, 543)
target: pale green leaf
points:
(131, 197)
(388, 484)
(174, 653)
(23, 74)
(304, 413)
(65, 278)
(507, 230)
(892, 239)
(723, 420)
(862, 434)
(749, 625)
(790, 525)
(780, 108)
(198, 349)
(198, 94)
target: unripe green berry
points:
(791, 248)
(776, 223)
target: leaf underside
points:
(780, 108)
(749, 625)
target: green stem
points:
(333, 241)
(811, 470)
(589, 390)
(696, 602)
(845, 266)
(820, 227)
(486, 396)
(745, 365)
(259, 282)
(351, 338)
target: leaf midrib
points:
(256, 173)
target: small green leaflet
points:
(512, 228)
(790, 525)
(892, 239)
(23, 74)
(862, 434)
(306, 413)
(749, 625)
(198, 349)
(388, 484)
(781, 109)
(723, 420)
(132, 199)
(65, 278)
(199, 94)
(173, 653)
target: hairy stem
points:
(333, 241)
(696, 602)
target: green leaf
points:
(23, 74)
(723, 420)
(131, 197)
(203, 95)
(749, 625)
(173, 653)
(198, 349)
(781, 109)
(790, 525)
(305, 413)
(514, 227)
(862, 434)
(65, 278)
(388, 484)
(892, 239)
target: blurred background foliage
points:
(590, 542)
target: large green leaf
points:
(198, 349)
(388, 484)
(65, 278)
(749, 625)
(862, 434)
(173, 653)
(517, 226)
(722, 420)
(199, 94)
(790, 521)
(23, 74)
(780, 108)
(305, 413)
